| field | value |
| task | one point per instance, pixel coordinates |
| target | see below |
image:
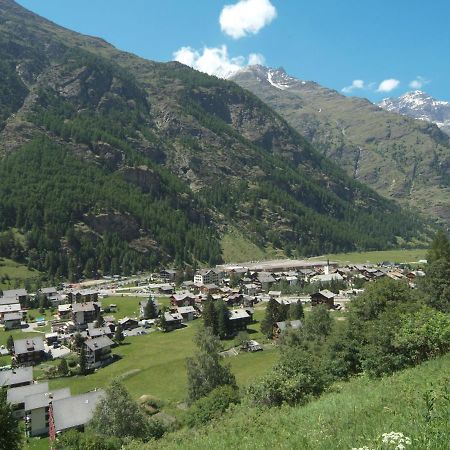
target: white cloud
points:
(256, 59)
(246, 17)
(419, 82)
(388, 85)
(356, 84)
(215, 60)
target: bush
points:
(213, 405)
(297, 378)
(72, 360)
(74, 440)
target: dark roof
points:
(75, 411)
(99, 343)
(102, 331)
(265, 277)
(83, 307)
(12, 316)
(22, 346)
(15, 293)
(16, 376)
(43, 399)
(175, 317)
(12, 307)
(326, 293)
(18, 394)
(8, 300)
(48, 290)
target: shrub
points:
(213, 405)
(298, 377)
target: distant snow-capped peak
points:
(420, 105)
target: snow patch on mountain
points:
(278, 78)
(419, 105)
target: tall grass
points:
(355, 414)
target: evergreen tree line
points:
(45, 192)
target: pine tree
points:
(63, 368)
(222, 315)
(78, 342)
(118, 334)
(150, 311)
(440, 248)
(205, 370)
(10, 344)
(162, 322)
(10, 434)
(100, 321)
(296, 311)
(209, 314)
(273, 314)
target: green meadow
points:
(352, 414)
(396, 256)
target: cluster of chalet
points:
(385, 269)
(13, 311)
(77, 313)
(238, 283)
(46, 412)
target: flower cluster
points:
(398, 439)
(361, 448)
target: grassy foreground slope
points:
(355, 414)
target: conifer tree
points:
(206, 370)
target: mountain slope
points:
(353, 415)
(173, 155)
(401, 158)
(419, 105)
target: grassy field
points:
(126, 306)
(236, 248)
(16, 274)
(398, 256)
(155, 365)
(351, 415)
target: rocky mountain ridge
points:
(401, 158)
(419, 105)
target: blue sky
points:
(329, 41)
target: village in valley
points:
(57, 342)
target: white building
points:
(208, 276)
(37, 408)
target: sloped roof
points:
(31, 344)
(75, 411)
(18, 394)
(16, 376)
(43, 399)
(99, 343)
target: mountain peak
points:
(278, 77)
(420, 105)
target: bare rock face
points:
(110, 155)
(123, 225)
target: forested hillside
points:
(115, 164)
